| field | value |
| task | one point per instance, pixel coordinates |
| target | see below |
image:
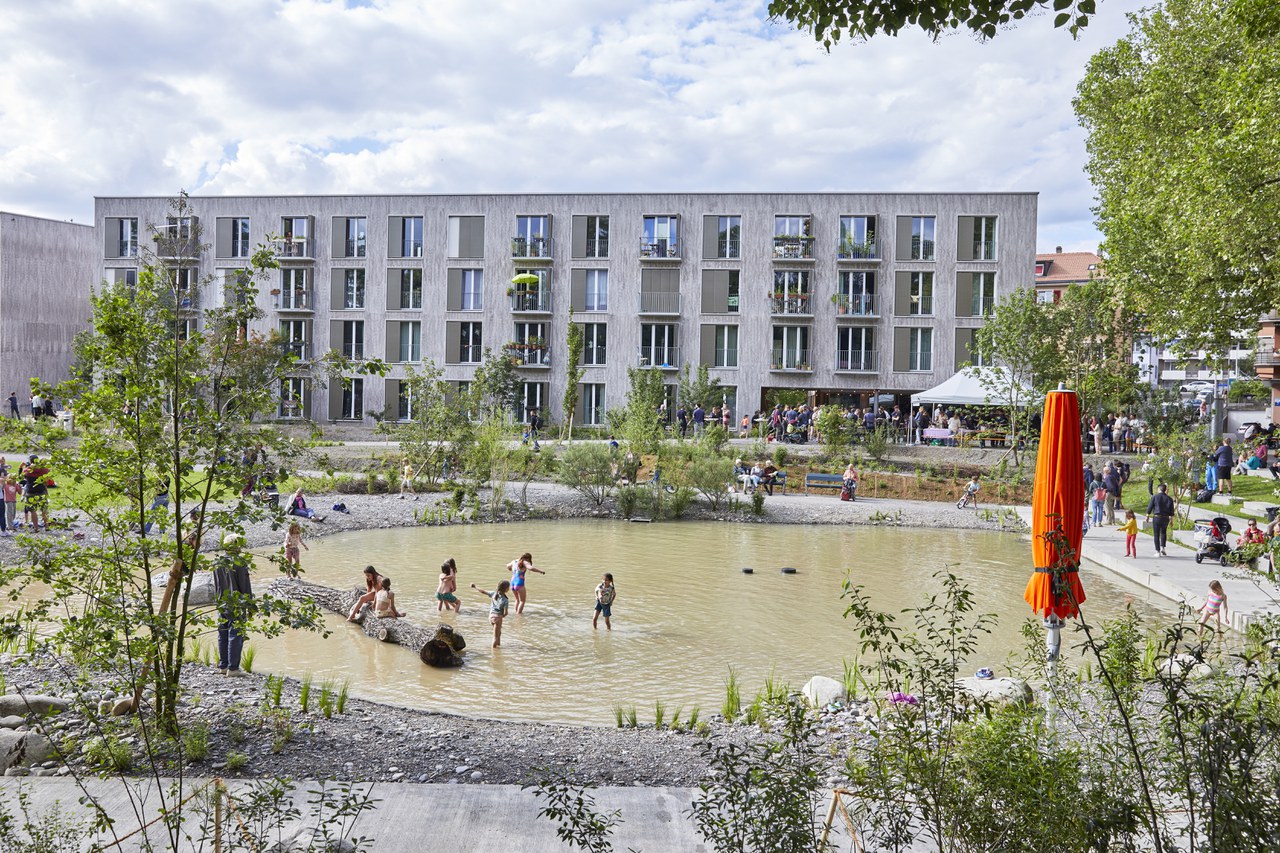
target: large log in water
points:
(436, 647)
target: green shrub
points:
(195, 742)
(236, 761)
(711, 476)
(757, 502)
(108, 752)
(780, 456)
(628, 498)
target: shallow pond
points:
(685, 611)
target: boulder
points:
(12, 704)
(201, 586)
(11, 722)
(821, 691)
(997, 689)
(22, 749)
(1181, 665)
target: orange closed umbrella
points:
(1057, 513)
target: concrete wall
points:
(1016, 214)
(47, 269)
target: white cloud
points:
(102, 97)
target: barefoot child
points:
(517, 569)
(292, 549)
(1215, 605)
(606, 592)
(372, 583)
(497, 608)
(448, 585)
(384, 605)
(1130, 531)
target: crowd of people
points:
(30, 482)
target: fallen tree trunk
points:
(436, 647)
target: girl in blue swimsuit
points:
(518, 568)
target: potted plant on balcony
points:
(841, 302)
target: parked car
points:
(1196, 386)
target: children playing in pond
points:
(447, 588)
(372, 583)
(497, 608)
(606, 592)
(292, 549)
(384, 603)
(1215, 606)
(518, 567)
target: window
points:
(411, 289)
(466, 236)
(470, 344)
(295, 239)
(984, 238)
(920, 349)
(410, 237)
(406, 405)
(856, 293)
(532, 399)
(790, 348)
(658, 345)
(593, 408)
(352, 233)
(293, 334)
(293, 391)
(729, 237)
(661, 237)
(184, 288)
(1046, 296)
(532, 297)
(855, 348)
(175, 239)
(984, 294)
(128, 276)
(920, 294)
(1040, 267)
(472, 290)
(857, 237)
(352, 400)
(352, 338)
(594, 344)
(179, 227)
(793, 237)
(726, 354)
(410, 341)
(533, 237)
(790, 292)
(295, 289)
(186, 328)
(126, 238)
(916, 238)
(591, 236)
(240, 237)
(530, 344)
(597, 293)
(353, 289)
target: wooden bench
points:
(823, 481)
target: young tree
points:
(439, 428)
(1093, 346)
(572, 376)
(641, 423)
(497, 385)
(1018, 340)
(698, 388)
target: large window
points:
(920, 349)
(352, 400)
(353, 338)
(661, 237)
(984, 294)
(922, 238)
(406, 402)
(856, 293)
(597, 290)
(920, 294)
(790, 348)
(533, 237)
(295, 237)
(595, 343)
(240, 237)
(356, 232)
(411, 289)
(791, 292)
(470, 343)
(593, 408)
(856, 348)
(411, 237)
(353, 289)
(294, 336)
(534, 296)
(729, 238)
(295, 289)
(793, 237)
(857, 237)
(410, 341)
(472, 290)
(532, 399)
(658, 345)
(293, 390)
(597, 237)
(127, 238)
(984, 238)
(726, 346)
(530, 344)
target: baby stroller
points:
(1211, 539)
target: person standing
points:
(232, 591)
(535, 427)
(406, 480)
(1111, 482)
(699, 419)
(1160, 512)
(13, 405)
(682, 419)
(1224, 459)
(606, 593)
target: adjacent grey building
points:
(47, 268)
(845, 295)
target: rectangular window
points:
(855, 348)
(184, 288)
(293, 390)
(410, 341)
(791, 292)
(352, 400)
(466, 236)
(293, 334)
(411, 237)
(533, 237)
(793, 237)
(186, 328)
(729, 237)
(984, 238)
(295, 237)
(726, 346)
(597, 290)
(354, 232)
(127, 238)
(470, 343)
(530, 346)
(532, 296)
(295, 289)
(472, 290)
(353, 289)
(593, 408)
(594, 344)
(984, 293)
(590, 236)
(856, 293)
(791, 348)
(661, 237)
(240, 237)
(658, 345)
(920, 349)
(128, 276)
(922, 238)
(921, 294)
(353, 338)
(857, 238)
(532, 399)
(411, 289)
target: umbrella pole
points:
(1053, 639)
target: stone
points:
(821, 691)
(202, 594)
(122, 707)
(1184, 664)
(476, 775)
(311, 838)
(17, 771)
(23, 748)
(997, 689)
(11, 722)
(13, 704)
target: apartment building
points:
(47, 268)
(845, 295)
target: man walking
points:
(1111, 482)
(1160, 513)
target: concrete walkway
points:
(430, 818)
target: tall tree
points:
(1184, 151)
(572, 376)
(1019, 342)
(1093, 345)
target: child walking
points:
(606, 592)
(497, 608)
(448, 586)
(517, 568)
(1130, 531)
(293, 546)
(1215, 605)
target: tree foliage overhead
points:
(831, 20)
(1184, 151)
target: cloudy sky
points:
(146, 97)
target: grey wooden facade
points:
(47, 269)
(666, 294)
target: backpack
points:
(844, 494)
(1205, 495)
(1099, 494)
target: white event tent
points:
(968, 388)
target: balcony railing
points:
(294, 299)
(538, 301)
(470, 353)
(867, 251)
(667, 358)
(597, 248)
(984, 250)
(293, 247)
(790, 304)
(983, 305)
(791, 359)
(352, 350)
(726, 357)
(659, 303)
(126, 249)
(855, 359)
(187, 300)
(1266, 358)
(301, 350)
(529, 355)
(921, 249)
(729, 249)
(661, 250)
(355, 248)
(857, 305)
(411, 249)
(531, 247)
(793, 248)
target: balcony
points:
(470, 353)
(659, 303)
(531, 248)
(531, 301)
(851, 252)
(859, 306)
(294, 249)
(788, 248)
(293, 299)
(856, 360)
(174, 248)
(984, 250)
(790, 304)
(597, 248)
(665, 358)
(662, 250)
(791, 361)
(1266, 357)
(528, 355)
(301, 350)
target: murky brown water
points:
(685, 611)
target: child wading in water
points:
(517, 569)
(1130, 531)
(1215, 605)
(606, 592)
(448, 586)
(497, 608)
(292, 549)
